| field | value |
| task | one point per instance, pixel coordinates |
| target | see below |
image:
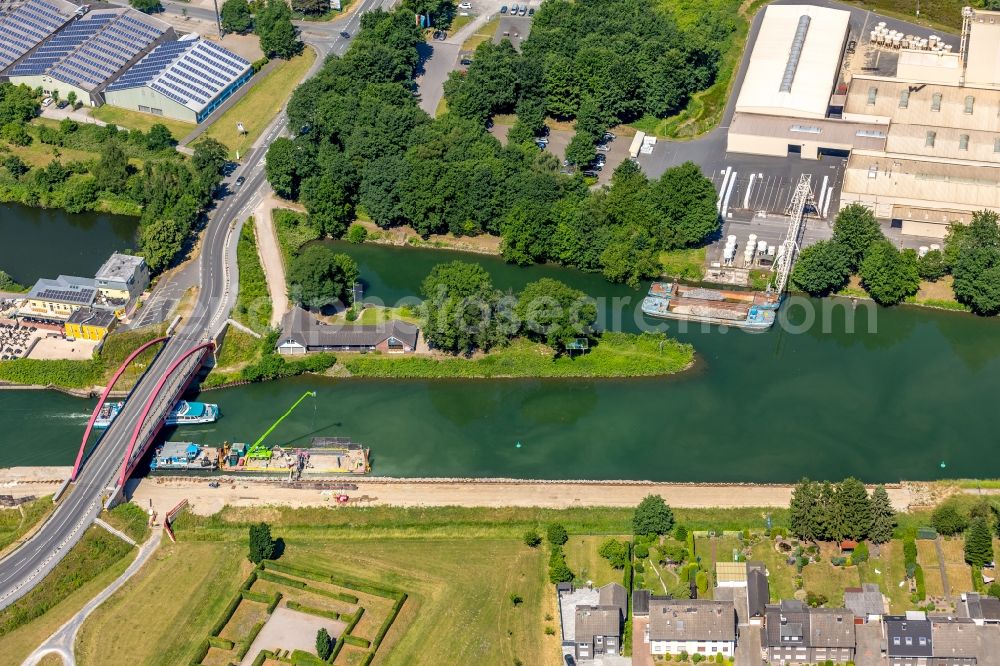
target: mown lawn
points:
(167, 608)
(261, 104)
(131, 519)
(587, 564)
(687, 263)
(141, 121)
(253, 304)
(928, 560)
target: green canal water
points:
(806, 398)
(36, 242)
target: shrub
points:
(357, 234)
(516, 599)
(549, 631)
(357, 641)
(641, 551)
(681, 533)
(815, 600)
(947, 520)
(701, 580)
(918, 576)
(532, 538)
(557, 535)
(615, 552)
(860, 554)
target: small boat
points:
(183, 413)
(751, 310)
(184, 456)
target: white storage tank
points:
(761, 247)
(922, 251)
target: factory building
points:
(89, 53)
(941, 160)
(919, 131)
(24, 27)
(185, 79)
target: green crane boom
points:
(256, 446)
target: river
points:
(39, 242)
(801, 399)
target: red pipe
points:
(149, 406)
(104, 397)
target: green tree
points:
(210, 156)
(357, 234)
(883, 516)
(555, 313)
(111, 170)
(855, 509)
(16, 133)
(821, 268)
(462, 310)
(805, 522)
(15, 166)
(319, 277)
(146, 6)
(615, 552)
(279, 165)
(313, 7)
(889, 275)
(978, 543)
(80, 194)
(261, 543)
(235, 15)
(160, 241)
(7, 283)
(947, 520)
(324, 644)
(532, 538)
(994, 590)
(932, 266)
(686, 199)
(278, 37)
(976, 267)
(159, 138)
(556, 534)
(855, 229)
(559, 571)
(17, 103)
(860, 554)
(580, 150)
(652, 516)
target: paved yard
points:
(291, 630)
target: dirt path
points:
(270, 258)
(946, 589)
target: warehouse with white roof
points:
(185, 79)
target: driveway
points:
(439, 58)
(748, 649)
(641, 656)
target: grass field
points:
(483, 34)
(615, 355)
(253, 304)
(89, 567)
(142, 121)
(16, 522)
(167, 608)
(261, 104)
(686, 263)
(959, 573)
(928, 560)
(583, 560)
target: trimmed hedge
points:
(248, 640)
(384, 629)
(296, 606)
(261, 657)
(357, 641)
(367, 659)
(281, 580)
(259, 597)
(300, 658)
(220, 643)
(202, 652)
(354, 621)
(226, 615)
(918, 575)
(364, 587)
(274, 602)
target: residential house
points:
(745, 584)
(641, 600)
(694, 626)
(301, 333)
(980, 609)
(89, 324)
(909, 639)
(797, 634)
(959, 642)
(866, 602)
(598, 628)
(123, 277)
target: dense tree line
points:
(363, 142)
(973, 256)
(271, 21)
(599, 62)
(832, 512)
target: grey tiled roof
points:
(596, 621)
(692, 619)
(831, 627)
(957, 638)
(792, 623)
(615, 595)
(300, 326)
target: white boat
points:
(183, 413)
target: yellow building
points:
(89, 324)
(53, 301)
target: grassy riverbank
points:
(253, 305)
(614, 355)
(18, 521)
(87, 374)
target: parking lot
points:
(514, 28)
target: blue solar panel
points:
(25, 27)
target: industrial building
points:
(88, 54)
(186, 79)
(916, 125)
(109, 54)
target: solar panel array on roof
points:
(93, 50)
(82, 296)
(190, 72)
(27, 26)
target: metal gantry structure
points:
(796, 212)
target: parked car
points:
(570, 661)
(600, 159)
(465, 62)
(47, 101)
(503, 10)
(465, 5)
(541, 144)
(542, 139)
(531, 12)
(523, 10)
(603, 147)
(345, 34)
(513, 9)
(609, 137)
(440, 35)
(213, 484)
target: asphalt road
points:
(216, 275)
